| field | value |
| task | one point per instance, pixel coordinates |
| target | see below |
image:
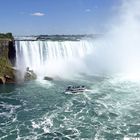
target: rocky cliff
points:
(7, 56)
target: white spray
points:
(119, 50)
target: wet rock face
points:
(7, 73)
(12, 52)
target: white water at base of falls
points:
(52, 58)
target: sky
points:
(34, 17)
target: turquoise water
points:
(40, 110)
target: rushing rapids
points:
(51, 57)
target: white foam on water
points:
(44, 83)
(44, 123)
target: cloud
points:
(39, 14)
(88, 10)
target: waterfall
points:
(52, 57)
